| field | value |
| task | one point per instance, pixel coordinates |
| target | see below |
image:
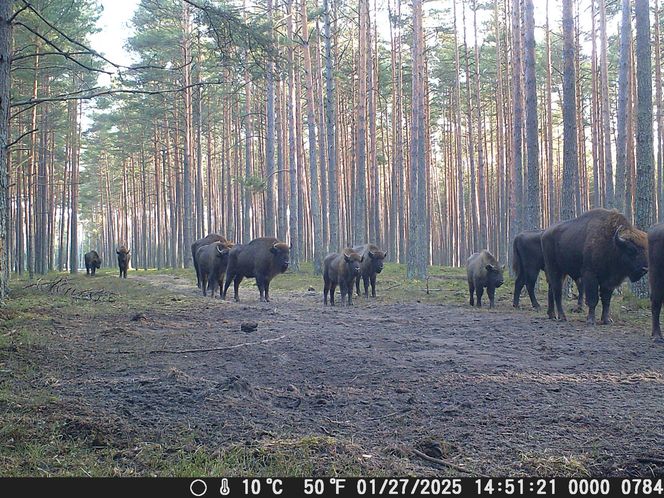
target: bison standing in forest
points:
(602, 248)
(483, 270)
(656, 276)
(92, 262)
(262, 259)
(527, 261)
(212, 262)
(342, 270)
(372, 264)
(209, 239)
(123, 260)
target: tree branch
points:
(20, 137)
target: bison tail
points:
(516, 258)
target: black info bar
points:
(290, 487)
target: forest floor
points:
(145, 376)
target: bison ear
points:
(117, 252)
(489, 267)
(385, 255)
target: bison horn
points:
(370, 254)
(617, 237)
(220, 252)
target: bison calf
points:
(483, 271)
(262, 259)
(527, 261)
(341, 269)
(372, 264)
(209, 239)
(92, 262)
(656, 276)
(602, 248)
(212, 264)
(123, 260)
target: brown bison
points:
(212, 264)
(342, 270)
(372, 264)
(602, 248)
(527, 261)
(123, 260)
(656, 276)
(209, 239)
(92, 262)
(262, 259)
(483, 270)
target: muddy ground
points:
(493, 392)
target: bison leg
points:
(267, 291)
(606, 294)
(480, 291)
(333, 287)
(556, 298)
(366, 286)
(373, 285)
(491, 291)
(260, 283)
(236, 287)
(343, 290)
(357, 284)
(229, 278)
(326, 290)
(204, 283)
(590, 285)
(530, 287)
(518, 287)
(349, 288)
(579, 301)
(471, 289)
(656, 308)
(198, 275)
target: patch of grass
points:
(545, 464)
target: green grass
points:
(34, 435)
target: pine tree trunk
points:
(623, 105)
(570, 158)
(644, 212)
(532, 212)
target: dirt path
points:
(501, 392)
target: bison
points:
(342, 270)
(602, 248)
(656, 276)
(262, 259)
(212, 263)
(209, 239)
(483, 271)
(372, 264)
(527, 261)
(123, 260)
(92, 262)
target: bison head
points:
(494, 275)
(280, 253)
(123, 255)
(353, 261)
(633, 252)
(377, 260)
